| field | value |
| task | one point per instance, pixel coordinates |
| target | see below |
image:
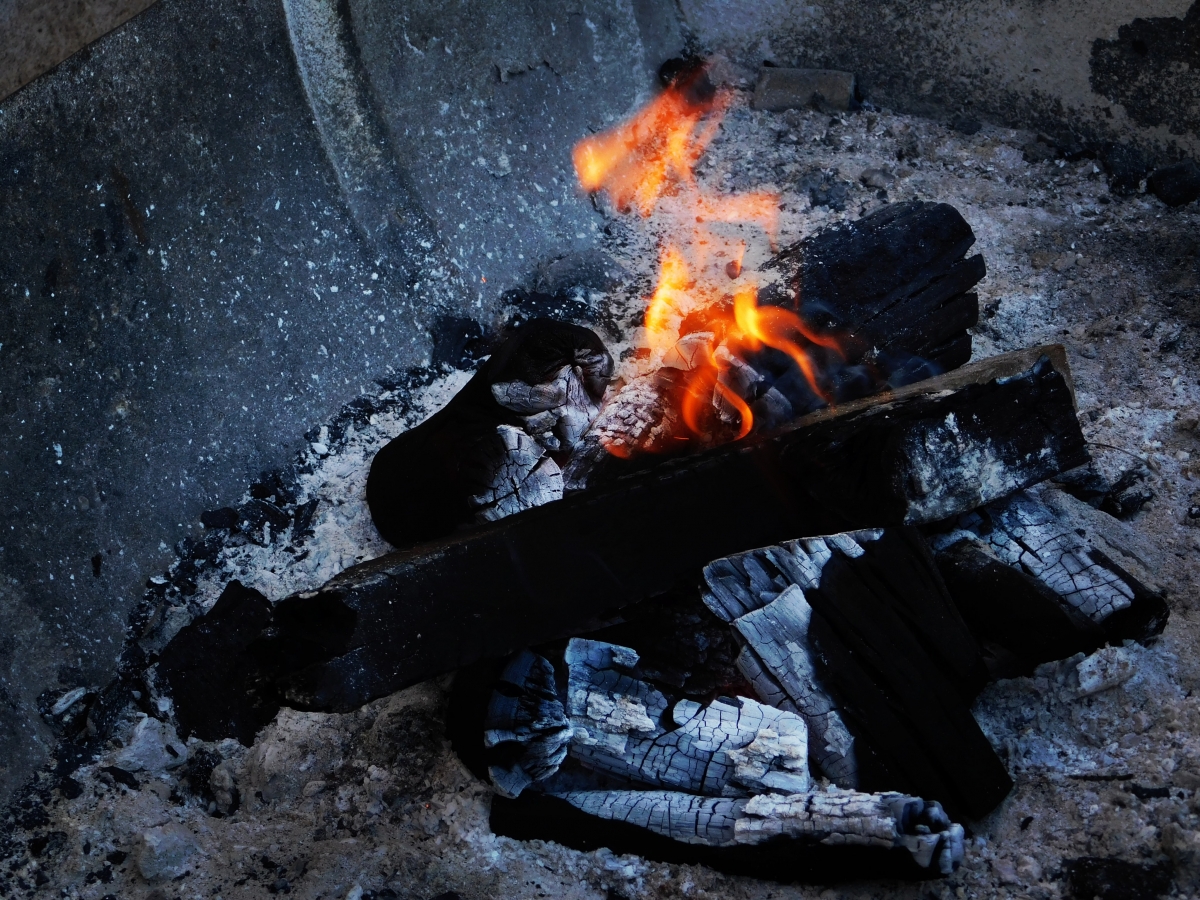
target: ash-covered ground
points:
(375, 804)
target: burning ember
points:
(703, 318)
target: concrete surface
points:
(36, 35)
(1063, 67)
(184, 294)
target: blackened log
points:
(898, 280)
(897, 697)
(865, 619)
(501, 430)
(215, 681)
(536, 816)
(1034, 587)
(924, 452)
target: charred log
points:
(1033, 588)
(526, 728)
(732, 747)
(898, 280)
(491, 451)
(781, 838)
(861, 626)
(731, 774)
(923, 453)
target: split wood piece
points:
(924, 452)
(893, 287)
(730, 747)
(1034, 589)
(541, 816)
(497, 446)
(861, 625)
(777, 661)
(897, 279)
(832, 817)
(526, 728)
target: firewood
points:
(861, 625)
(730, 773)
(526, 730)
(730, 747)
(491, 450)
(1035, 587)
(897, 280)
(826, 836)
(924, 452)
(892, 288)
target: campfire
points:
(729, 596)
(783, 461)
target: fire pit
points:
(738, 572)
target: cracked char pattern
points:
(772, 616)
(728, 748)
(828, 817)
(638, 418)
(516, 470)
(1024, 533)
(526, 720)
(516, 475)
(557, 412)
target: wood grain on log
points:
(730, 747)
(526, 729)
(1035, 587)
(898, 280)
(831, 817)
(861, 626)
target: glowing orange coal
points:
(648, 163)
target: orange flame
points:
(648, 163)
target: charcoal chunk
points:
(1176, 185)
(208, 672)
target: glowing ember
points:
(648, 163)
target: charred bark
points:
(898, 281)
(858, 630)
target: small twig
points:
(1149, 460)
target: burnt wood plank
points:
(896, 280)
(924, 452)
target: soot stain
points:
(1152, 68)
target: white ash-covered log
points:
(922, 453)
(732, 773)
(832, 817)
(1033, 587)
(526, 730)
(496, 447)
(859, 633)
(731, 747)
